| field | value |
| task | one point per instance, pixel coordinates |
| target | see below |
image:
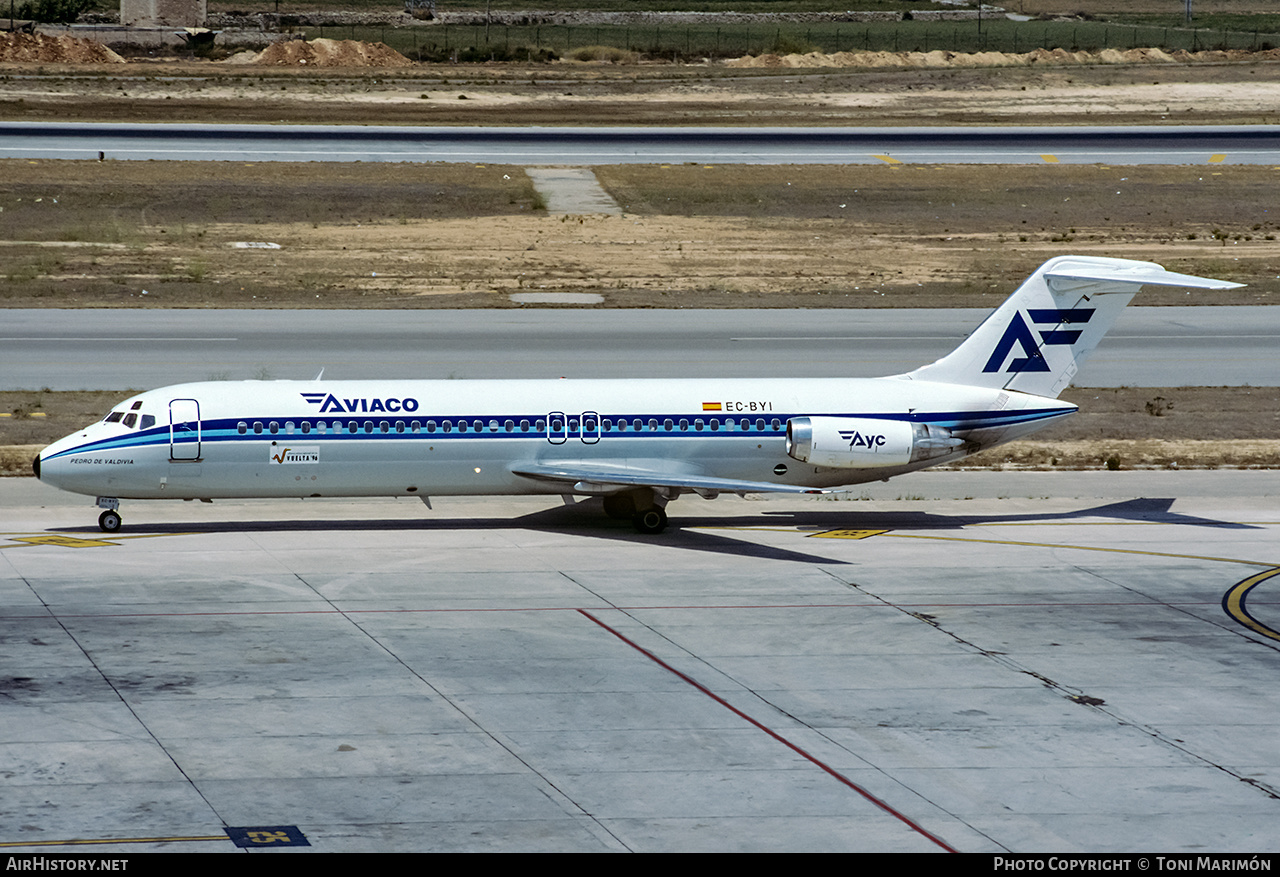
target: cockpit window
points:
(113, 417)
(130, 419)
(148, 421)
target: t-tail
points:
(1038, 339)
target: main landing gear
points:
(650, 520)
(640, 506)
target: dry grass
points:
(1117, 454)
(16, 459)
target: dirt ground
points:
(911, 88)
(162, 234)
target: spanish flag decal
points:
(712, 406)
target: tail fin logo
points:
(1017, 333)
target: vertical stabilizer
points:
(1037, 340)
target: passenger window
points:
(384, 427)
(306, 427)
(288, 427)
(257, 427)
(242, 427)
(352, 427)
(274, 427)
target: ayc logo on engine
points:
(331, 404)
(858, 441)
(1018, 333)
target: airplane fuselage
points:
(438, 438)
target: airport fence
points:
(497, 42)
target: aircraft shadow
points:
(690, 532)
(1145, 510)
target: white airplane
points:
(636, 443)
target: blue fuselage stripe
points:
(430, 427)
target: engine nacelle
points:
(863, 443)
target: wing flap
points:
(604, 477)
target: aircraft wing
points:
(606, 477)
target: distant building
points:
(163, 13)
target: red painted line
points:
(776, 736)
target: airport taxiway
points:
(591, 145)
(974, 661)
(83, 349)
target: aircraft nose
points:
(35, 465)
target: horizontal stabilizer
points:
(1066, 275)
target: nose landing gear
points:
(109, 520)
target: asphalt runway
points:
(1243, 144)
(1062, 668)
(140, 349)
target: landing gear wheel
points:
(620, 506)
(650, 520)
(109, 521)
